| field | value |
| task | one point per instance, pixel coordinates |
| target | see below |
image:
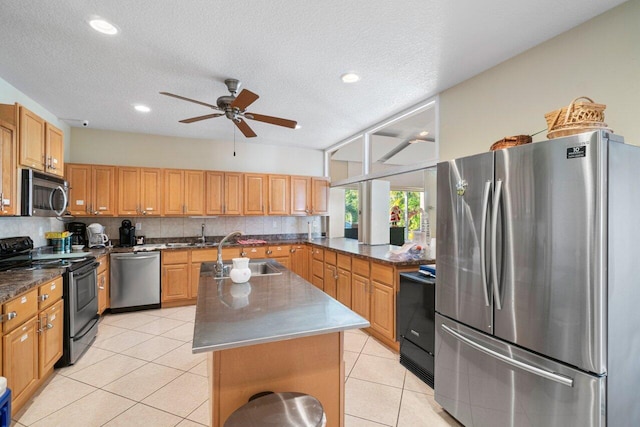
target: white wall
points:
(599, 59)
(132, 149)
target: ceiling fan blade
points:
(190, 100)
(244, 128)
(272, 120)
(197, 119)
(245, 99)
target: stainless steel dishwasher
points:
(135, 281)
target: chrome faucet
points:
(219, 265)
(202, 238)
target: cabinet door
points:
(214, 199)
(8, 169)
(50, 340)
(103, 292)
(360, 295)
(195, 279)
(151, 191)
(331, 280)
(382, 309)
(318, 282)
(285, 261)
(79, 178)
(54, 150)
(31, 137)
(194, 192)
(128, 191)
(173, 192)
(344, 287)
(300, 195)
(320, 192)
(279, 193)
(233, 193)
(20, 361)
(255, 194)
(300, 261)
(103, 180)
(175, 282)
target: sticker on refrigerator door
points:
(461, 187)
(577, 152)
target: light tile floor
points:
(140, 372)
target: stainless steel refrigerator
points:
(538, 288)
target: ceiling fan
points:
(234, 108)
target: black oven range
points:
(79, 293)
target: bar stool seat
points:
(288, 409)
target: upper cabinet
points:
(255, 194)
(183, 192)
(223, 193)
(279, 195)
(309, 196)
(92, 189)
(40, 144)
(54, 149)
(8, 169)
(139, 191)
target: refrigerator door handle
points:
(483, 240)
(562, 379)
(494, 244)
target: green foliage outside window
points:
(350, 207)
(397, 198)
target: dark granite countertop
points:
(13, 283)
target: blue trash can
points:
(5, 409)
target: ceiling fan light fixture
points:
(142, 108)
(297, 127)
(104, 27)
(349, 77)
(424, 133)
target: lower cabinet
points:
(103, 284)
(331, 280)
(300, 261)
(32, 340)
(176, 271)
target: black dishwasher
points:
(415, 327)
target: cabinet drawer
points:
(278, 251)
(382, 273)
(102, 263)
(21, 309)
(330, 257)
(317, 253)
(255, 252)
(318, 268)
(344, 262)
(229, 253)
(175, 257)
(49, 293)
(360, 267)
(204, 255)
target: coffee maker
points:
(127, 234)
(97, 238)
(79, 233)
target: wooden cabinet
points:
(54, 150)
(344, 279)
(317, 267)
(280, 253)
(279, 195)
(139, 191)
(253, 252)
(223, 193)
(103, 284)
(40, 144)
(330, 278)
(300, 261)
(309, 196)
(92, 189)
(255, 194)
(33, 339)
(176, 270)
(183, 192)
(382, 314)
(8, 169)
(360, 287)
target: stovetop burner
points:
(15, 255)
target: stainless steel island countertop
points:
(265, 309)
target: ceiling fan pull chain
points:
(234, 141)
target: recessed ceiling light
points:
(298, 126)
(104, 27)
(423, 133)
(350, 78)
(142, 108)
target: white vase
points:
(240, 273)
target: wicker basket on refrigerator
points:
(581, 115)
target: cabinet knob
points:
(292, 250)
(243, 254)
(269, 252)
(44, 297)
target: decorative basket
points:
(577, 117)
(511, 141)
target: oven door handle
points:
(87, 328)
(85, 271)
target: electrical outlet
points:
(138, 226)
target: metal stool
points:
(279, 410)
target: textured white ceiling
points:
(290, 52)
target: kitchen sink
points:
(258, 268)
(191, 245)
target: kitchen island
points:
(277, 333)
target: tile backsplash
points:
(34, 227)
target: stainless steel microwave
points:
(43, 195)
